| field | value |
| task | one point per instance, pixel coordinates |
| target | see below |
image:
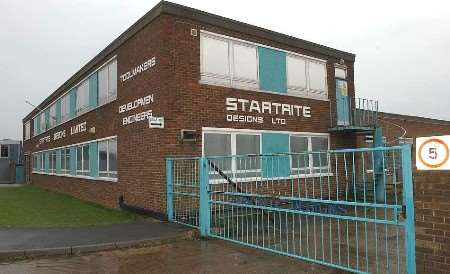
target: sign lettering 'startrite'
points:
(263, 107)
(138, 69)
(432, 153)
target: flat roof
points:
(165, 7)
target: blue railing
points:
(323, 207)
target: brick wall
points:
(432, 203)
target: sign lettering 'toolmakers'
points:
(432, 153)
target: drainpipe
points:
(380, 184)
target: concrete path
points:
(34, 242)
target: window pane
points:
(42, 122)
(247, 144)
(296, 69)
(245, 62)
(340, 73)
(112, 79)
(86, 157)
(214, 56)
(4, 151)
(52, 116)
(112, 155)
(79, 158)
(103, 85)
(319, 144)
(63, 159)
(218, 145)
(299, 145)
(82, 97)
(67, 159)
(317, 74)
(65, 108)
(103, 156)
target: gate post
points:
(204, 197)
(169, 191)
(408, 199)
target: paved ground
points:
(26, 239)
(211, 256)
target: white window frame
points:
(311, 167)
(52, 165)
(109, 97)
(230, 80)
(210, 79)
(110, 174)
(80, 110)
(65, 101)
(82, 171)
(43, 125)
(27, 130)
(63, 158)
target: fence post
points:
(204, 197)
(169, 192)
(408, 198)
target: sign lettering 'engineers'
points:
(141, 116)
(263, 107)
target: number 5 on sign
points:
(432, 153)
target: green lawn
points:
(30, 206)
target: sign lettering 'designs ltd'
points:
(138, 69)
(79, 128)
(432, 153)
(135, 104)
(263, 107)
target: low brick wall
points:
(432, 203)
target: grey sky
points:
(402, 47)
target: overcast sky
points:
(402, 47)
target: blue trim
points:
(204, 198)
(58, 161)
(93, 91)
(73, 160)
(58, 111)
(408, 198)
(275, 165)
(169, 193)
(73, 103)
(379, 166)
(272, 70)
(93, 159)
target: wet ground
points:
(212, 256)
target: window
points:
(65, 108)
(406, 140)
(42, 166)
(83, 97)
(340, 73)
(228, 62)
(65, 160)
(35, 126)
(35, 162)
(52, 162)
(107, 83)
(27, 130)
(107, 158)
(310, 154)
(43, 125)
(4, 151)
(296, 74)
(52, 116)
(248, 145)
(218, 144)
(317, 78)
(83, 159)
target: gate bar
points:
(410, 242)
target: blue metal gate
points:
(325, 211)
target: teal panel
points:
(73, 103)
(47, 162)
(275, 166)
(73, 160)
(20, 175)
(47, 119)
(93, 91)
(272, 70)
(38, 161)
(58, 111)
(93, 159)
(58, 161)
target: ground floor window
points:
(65, 160)
(52, 161)
(35, 162)
(107, 158)
(42, 162)
(83, 159)
(4, 151)
(306, 152)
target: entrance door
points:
(342, 103)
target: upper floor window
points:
(27, 130)
(107, 158)
(35, 126)
(52, 116)
(228, 62)
(83, 97)
(107, 83)
(65, 107)
(306, 77)
(43, 125)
